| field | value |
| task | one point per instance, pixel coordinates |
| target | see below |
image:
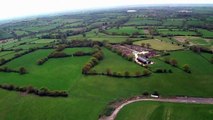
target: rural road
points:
(173, 100)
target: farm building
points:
(143, 60)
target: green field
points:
(44, 41)
(175, 32)
(194, 41)
(119, 64)
(99, 37)
(125, 30)
(89, 94)
(165, 111)
(159, 45)
(142, 21)
(173, 22)
(206, 33)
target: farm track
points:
(171, 100)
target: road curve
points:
(173, 100)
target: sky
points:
(18, 8)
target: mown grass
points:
(162, 111)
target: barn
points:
(143, 60)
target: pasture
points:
(162, 111)
(125, 30)
(88, 95)
(175, 32)
(159, 45)
(119, 64)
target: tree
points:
(167, 60)
(137, 73)
(156, 93)
(22, 70)
(126, 74)
(84, 35)
(173, 62)
(146, 72)
(2, 61)
(142, 44)
(186, 68)
(109, 72)
(148, 45)
(145, 93)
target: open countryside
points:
(132, 63)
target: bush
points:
(146, 73)
(30, 89)
(42, 61)
(173, 62)
(159, 70)
(126, 74)
(138, 73)
(57, 55)
(145, 94)
(156, 93)
(108, 111)
(186, 68)
(22, 70)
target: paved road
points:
(173, 100)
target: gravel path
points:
(173, 100)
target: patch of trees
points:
(174, 63)
(125, 74)
(186, 68)
(81, 53)
(42, 61)
(57, 54)
(211, 60)
(127, 57)
(21, 70)
(199, 49)
(96, 57)
(84, 43)
(60, 47)
(35, 91)
(161, 70)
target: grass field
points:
(44, 41)
(125, 30)
(159, 45)
(142, 21)
(88, 95)
(173, 22)
(99, 37)
(73, 50)
(206, 33)
(165, 111)
(118, 65)
(175, 32)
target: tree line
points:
(35, 91)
